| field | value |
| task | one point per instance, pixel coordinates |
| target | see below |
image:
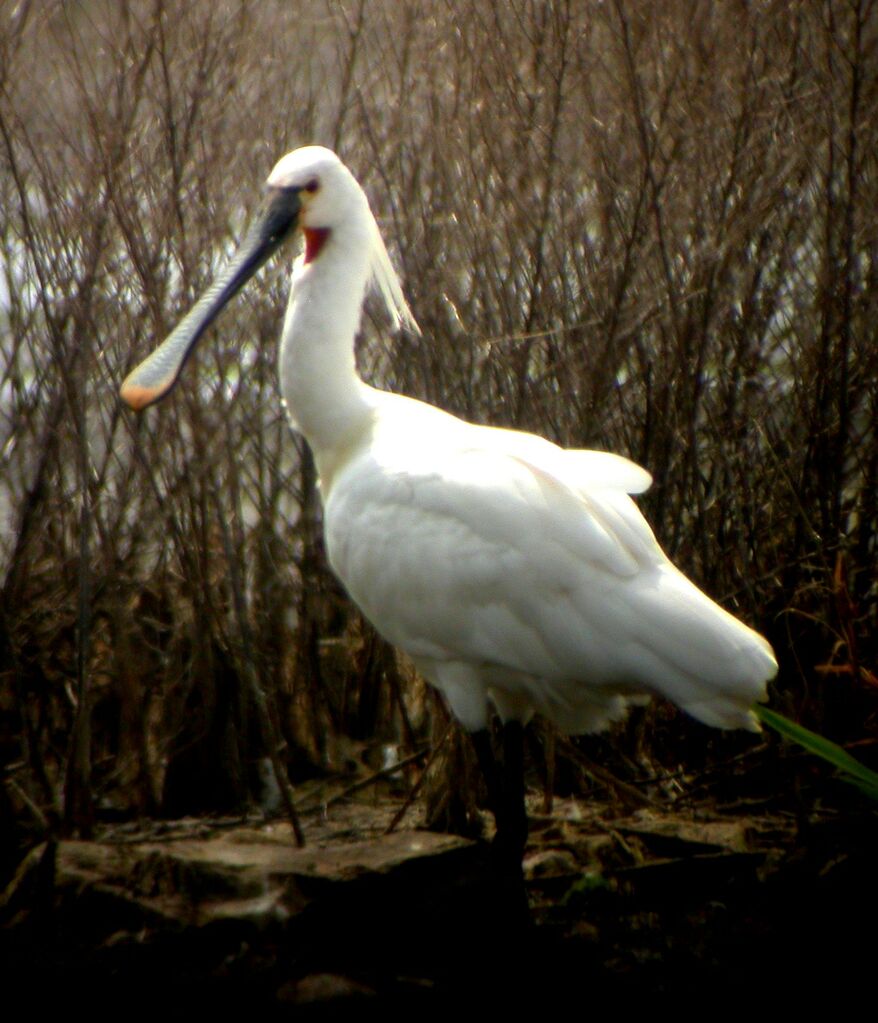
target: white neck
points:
(325, 399)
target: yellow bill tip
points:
(137, 397)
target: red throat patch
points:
(315, 239)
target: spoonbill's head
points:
(326, 191)
(309, 190)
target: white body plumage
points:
(512, 571)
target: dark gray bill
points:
(157, 374)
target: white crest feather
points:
(385, 277)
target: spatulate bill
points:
(154, 378)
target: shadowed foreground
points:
(637, 907)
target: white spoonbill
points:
(516, 574)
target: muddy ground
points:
(743, 903)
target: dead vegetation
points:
(644, 228)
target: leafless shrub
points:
(646, 228)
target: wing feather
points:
(521, 560)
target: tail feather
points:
(702, 658)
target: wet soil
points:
(735, 905)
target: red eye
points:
(312, 185)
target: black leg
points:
(513, 810)
(505, 783)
